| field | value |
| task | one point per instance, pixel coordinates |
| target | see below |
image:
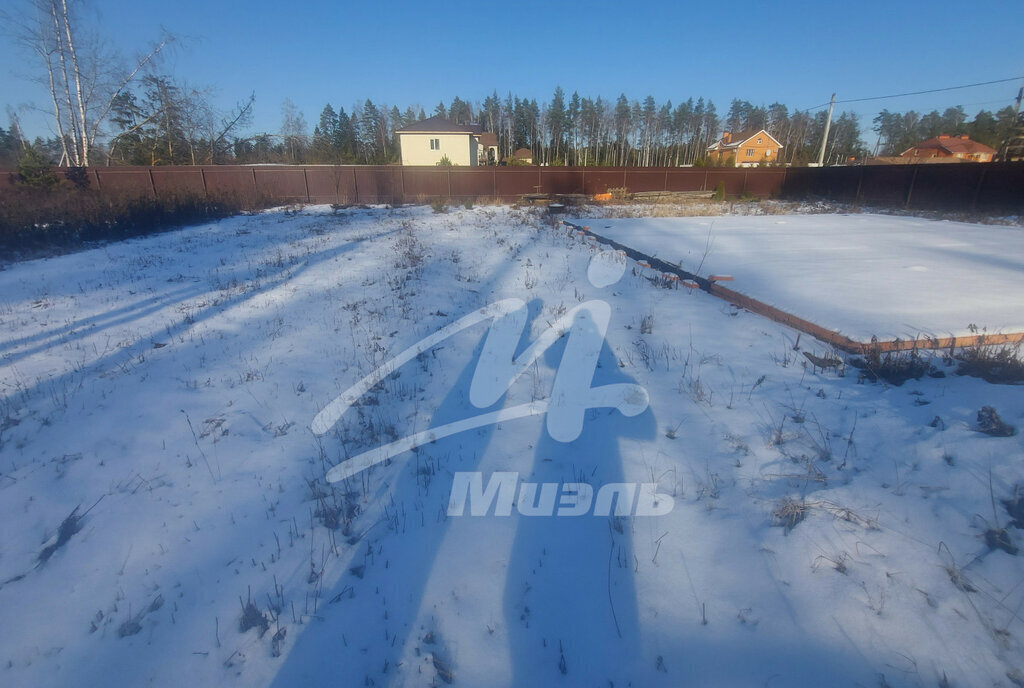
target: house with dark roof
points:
(523, 155)
(946, 146)
(428, 141)
(748, 148)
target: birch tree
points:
(83, 78)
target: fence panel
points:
(686, 180)
(645, 179)
(281, 184)
(885, 185)
(424, 183)
(732, 180)
(131, 181)
(513, 182)
(325, 183)
(233, 181)
(1002, 189)
(561, 180)
(764, 183)
(470, 183)
(937, 187)
(178, 181)
(377, 184)
(597, 180)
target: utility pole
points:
(1013, 147)
(828, 125)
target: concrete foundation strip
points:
(839, 341)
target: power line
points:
(933, 90)
(816, 107)
(914, 93)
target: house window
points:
(759, 141)
(435, 144)
(750, 152)
(768, 153)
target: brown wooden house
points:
(747, 148)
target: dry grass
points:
(788, 512)
(992, 363)
(990, 423)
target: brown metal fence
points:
(988, 187)
(967, 186)
(395, 184)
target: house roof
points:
(488, 139)
(522, 153)
(741, 138)
(953, 145)
(439, 125)
(910, 160)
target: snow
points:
(168, 385)
(862, 275)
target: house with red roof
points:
(946, 146)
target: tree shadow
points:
(125, 316)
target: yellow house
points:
(747, 149)
(428, 141)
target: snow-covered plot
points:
(166, 514)
(861, 275)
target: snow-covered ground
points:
(862, 275)
(167, 387)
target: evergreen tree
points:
(556, 123)
(623, 124)
(369, 133)
(460, 112)
(128, 117)
(984, 129)
(492, 112)
(954, 120)
(409, 117)
(8, 148)
(325, 148)
(346, 137)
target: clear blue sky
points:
(418, 53)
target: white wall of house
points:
(461, 149)
(481, 153)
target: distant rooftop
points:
(953, 144)
(440, 125)
(731, 141)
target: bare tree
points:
(293, 131)
(82, 77)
